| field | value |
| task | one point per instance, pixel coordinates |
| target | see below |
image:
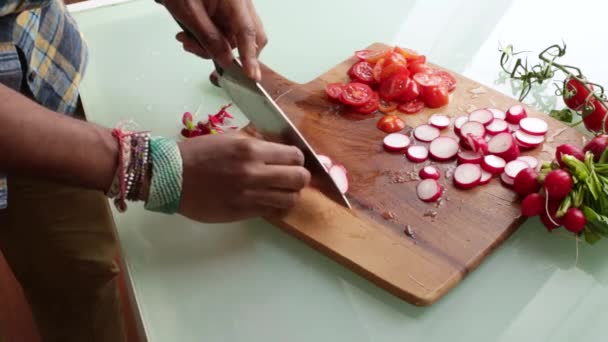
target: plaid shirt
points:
(41, 49)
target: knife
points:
(272, 123)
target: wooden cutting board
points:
(449, 240)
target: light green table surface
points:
(248, 281)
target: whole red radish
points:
(526, 182)
(575, 220)
(558, 184)
(597, 146)
(552, 222)
(570, 149)
(532, 205)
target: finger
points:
(191, 45)
(276, 199)
(281, 177)
(278, 154)
(261, 38)
(246, 40)
(208, 35)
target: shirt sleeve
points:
(14, 6)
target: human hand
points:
(228, 177)
(217, 27)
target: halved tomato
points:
(334, 90)
(448, 80)
(356, 94)
(391, 69)
(395, 58)
(412, 56)
(371, 106)
(378, 70)
(393, 87)
(363, 54)
(387, 106)
(362, 71)
(416, 68)
(425, 79)
(390, 124)
(372, 56)
(412, 107)
(435, 97)
(411, 91)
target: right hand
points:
(228, 177)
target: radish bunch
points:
(488, 143)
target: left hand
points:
(217, 27)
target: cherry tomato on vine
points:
(594, 117)
(575, 94)
(390, 124)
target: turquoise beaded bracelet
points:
(167, 170)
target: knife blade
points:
(272, 123)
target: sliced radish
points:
(515, 114)
(443, 148)
(513, 168)
(439, 121)
(497, 126)
(474, 128)
(529, 139)
(325, 161)
(338, 174)
(429, 172)
(396, 142)
(486, 177)
(467, 176)
(506, 180)
(504, 146)
(498, 114)
(533, 162)
(429, 190)
(458, 122)
(417, 154)
(477, 144)
(493, 164)
(469, 157)
(534, 126)
(483, 116)
(426, 133)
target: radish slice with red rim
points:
(493, 164)
(483, 116)
(506, 180)
(474, 128)
(515, 114)
(429, 172)
(477, 144)
(469, 157)
(534, 126)
(325, 161)
(426, 133)
(513, 168)
(504, 146)
(439, 121)
(417, 153)
(498, 114)
(486, 177)
(443, 148)
(396, 142)
(497, 126)
(529, 139)
(467, 176)
(429, 190)
(533, 162)
(338, 174)
(458, 122)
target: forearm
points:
(45, 144)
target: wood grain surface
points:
(449, 238)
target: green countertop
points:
(248, 281)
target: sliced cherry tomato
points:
(392, 69)
(416, 68)
(378, 70)
(425, 79)
(387, 106)
(334, 90)
(371, 106)
(375, 56)
(407, 53)
(448, 80)
(412, 107)
(411, 91)
(363, 72)
(435, 97)
(356, 94)
(395, 58)
(390, 124)
(594, 115)
(363, 54)
(393, 87)
(575, 94)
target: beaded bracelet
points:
(167, 170)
